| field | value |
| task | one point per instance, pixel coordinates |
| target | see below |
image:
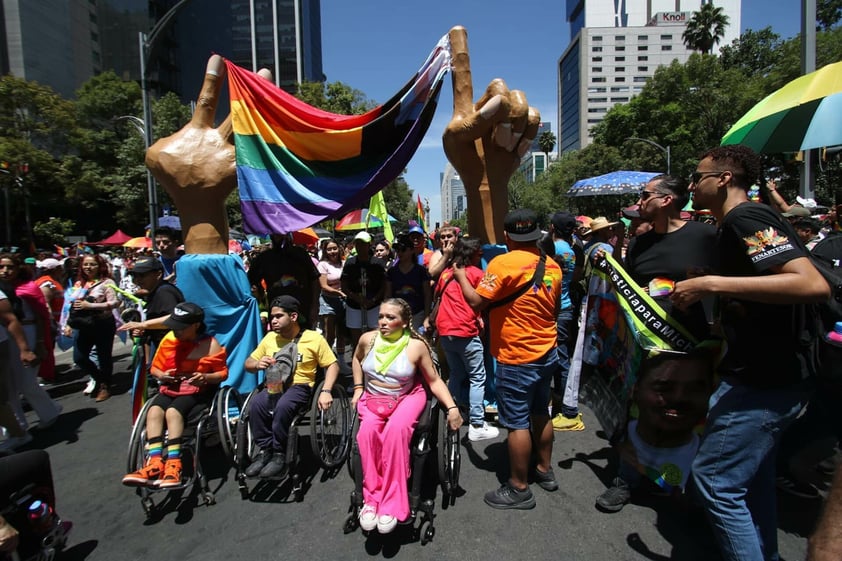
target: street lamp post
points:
(20, 170)
(666, 150)
(147, 43)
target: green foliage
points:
(399, 200)
(546, 142)
(705, 28)
(755, 53)
(53, 231)
(335, 97)
(828, 13)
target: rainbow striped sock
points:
(154, 449)
(174, 450)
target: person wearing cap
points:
(189, 365)
(408, 280)
(808, 230)
(672, 250)
(570, 259)
(364, 284)
(764, 281)
(272, 413)
(637, 225)
(161, 298)
(286, 269)
(419, 245)
(523, 341)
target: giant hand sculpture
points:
(197, 168)
(485, 142)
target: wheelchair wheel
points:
(227, 407)
(244, 447)
(136, 457)
(449, 454)
(330, 435)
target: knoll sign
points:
(671, 18)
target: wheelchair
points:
(206, 425)
(432, 441)
(330, 438)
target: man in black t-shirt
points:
(764, 280)
(287, 270)
(673, 249)
(364, 283)
(148, 275)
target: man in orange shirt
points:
(522, 324)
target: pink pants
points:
(384, 452)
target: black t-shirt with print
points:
(161, 302)
(688, 251)
(766, 344)
(375, 273)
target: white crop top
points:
(401, 372)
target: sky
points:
(375, 46)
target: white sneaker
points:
(483, 432)
(89, 389)
(368, 518)
(386, 523)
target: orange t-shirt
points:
(523, 330)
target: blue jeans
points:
(563, 325)
(734, 470)
(465, 358)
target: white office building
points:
(616, 47)
(453, 201)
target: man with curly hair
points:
(764, 280)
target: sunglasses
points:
(697, 176)
(644, 195)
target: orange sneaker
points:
(172, 474)
(147, 475)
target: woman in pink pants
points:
(394, 360)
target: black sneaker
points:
(506, 497)
(792, 486)
(615, 497)
(274, 468)
(545, 480)
(253, 470)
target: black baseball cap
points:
(184, 315)
(286, 302)
(522, 225)
(564, 222)
(146, 265)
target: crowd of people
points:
(509, 337)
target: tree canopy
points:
(705, 28)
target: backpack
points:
(278, 376)
(827, 258)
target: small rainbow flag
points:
(422, 218)
(661, 287)
(298, 165)
(61, 251)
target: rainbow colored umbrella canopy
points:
(806, 113)
(359, 220)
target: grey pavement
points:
(88, 451)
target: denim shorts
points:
(524, 390)
(331, 306)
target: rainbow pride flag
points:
(298, 165)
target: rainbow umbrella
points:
(138, 242)
(356, 220)
(806, 113)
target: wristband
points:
(359, 385)
(452, 407)
(326, 391)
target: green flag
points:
(377, 208)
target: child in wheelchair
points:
(190, 365)
(290, 356)
(389, 397)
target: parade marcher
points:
(763, 280)
(409, 281)
(458, 328)
(166, 243)
(523, 340)
(388, 367)
(161, 298)
(570, 259)
(364, 283)
(12, 339)
(273, 409)
(440, 260)
(332, 299)
(189, 365)
(51, 284)
(673, 250)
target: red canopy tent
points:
(117, 238)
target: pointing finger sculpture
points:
(485, 141)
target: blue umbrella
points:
(170, 221)
(614, 183)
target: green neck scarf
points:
(387, 350)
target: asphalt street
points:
(88, 451)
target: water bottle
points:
(41, 517)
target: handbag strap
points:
(539, 274)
